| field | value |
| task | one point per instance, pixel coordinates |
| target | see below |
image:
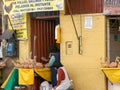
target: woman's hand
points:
(44, 59)
(46, 65)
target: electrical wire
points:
(68, 4)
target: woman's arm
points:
(51, 61)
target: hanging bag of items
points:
(11, 46)
(10, 49)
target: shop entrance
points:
(113, 44)
(42, 37)
(113, 37)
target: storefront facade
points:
(82, 58)
(85, 66)
(83, 62)
(83, 46)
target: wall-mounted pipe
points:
(79, 38)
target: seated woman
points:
(54, 55)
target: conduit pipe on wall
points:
(81, 26)
(79, 38)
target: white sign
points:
(25, 6)
(111, 7)
(88, 22)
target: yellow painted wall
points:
(84, 69)
(24, 46)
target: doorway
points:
(113, 44)
(113, 37)
(42, 37)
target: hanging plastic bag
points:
(45, 86)
(10, 49)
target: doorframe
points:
(109, 84)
